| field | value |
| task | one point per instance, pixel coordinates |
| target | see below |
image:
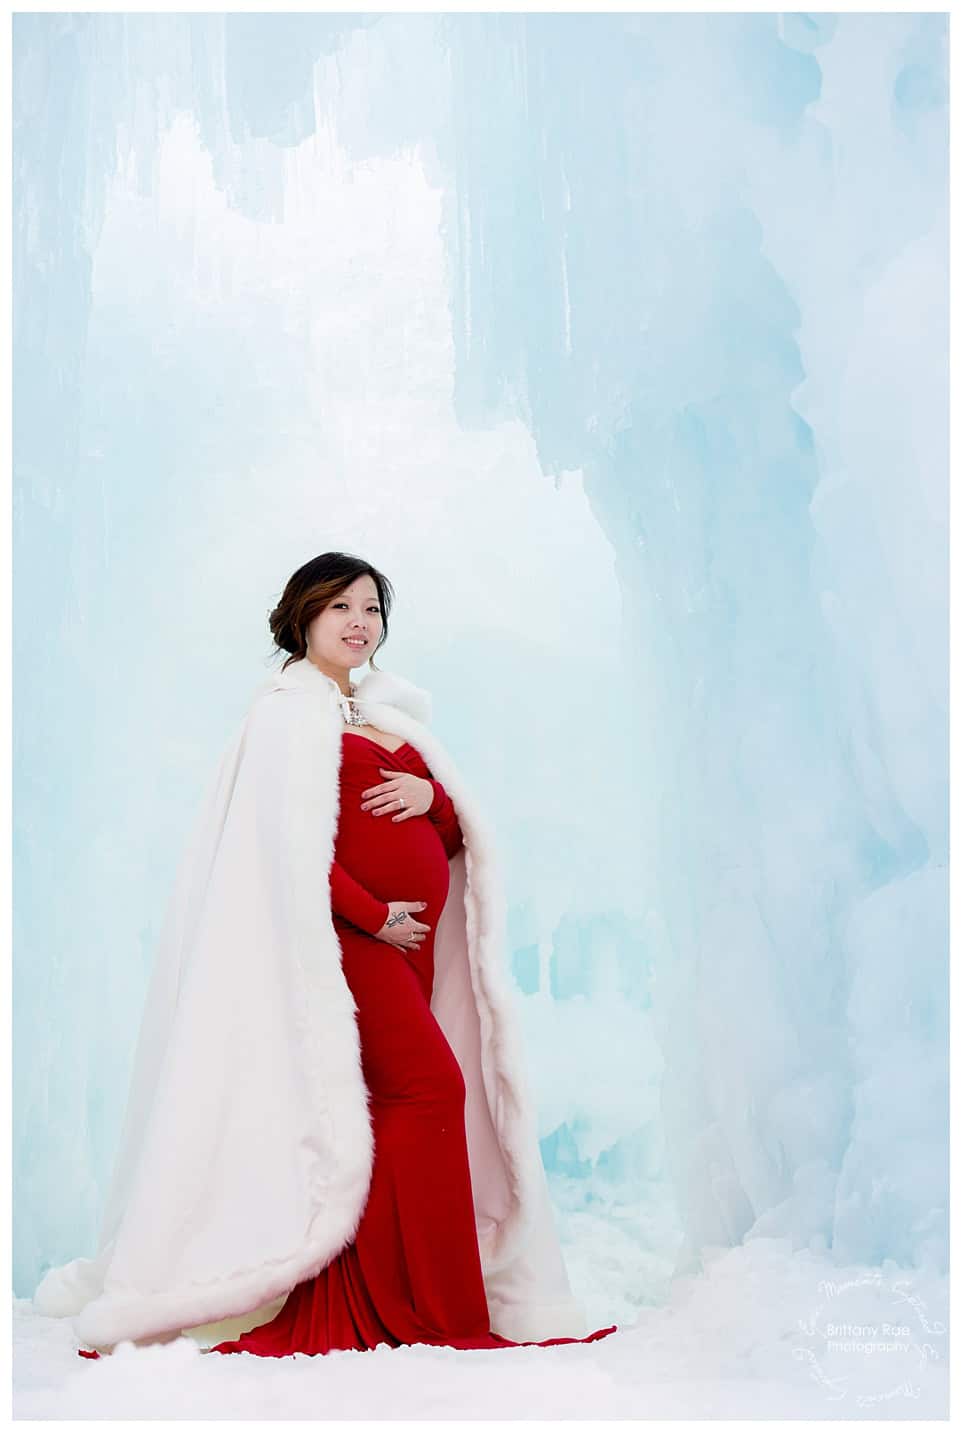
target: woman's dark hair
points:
(308, 592)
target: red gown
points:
(413, 1271)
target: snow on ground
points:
(762, 1333)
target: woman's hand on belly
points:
(401, 927)
(416, 792)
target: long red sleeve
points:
(355, 903)
(442, 814)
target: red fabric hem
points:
(494, 1341)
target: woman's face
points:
(354, 613)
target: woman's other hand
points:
(416, 792)
(401, 928)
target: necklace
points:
(350, 709)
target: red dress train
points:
(413, 1271)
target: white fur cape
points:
(246, 1151)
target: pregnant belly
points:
(396, 861)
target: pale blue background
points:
(620, 344)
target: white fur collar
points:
(377, 686)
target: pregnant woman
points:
(329, 1142)
(413, 1272)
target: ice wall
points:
(619, 342)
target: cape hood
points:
(246, 1149)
